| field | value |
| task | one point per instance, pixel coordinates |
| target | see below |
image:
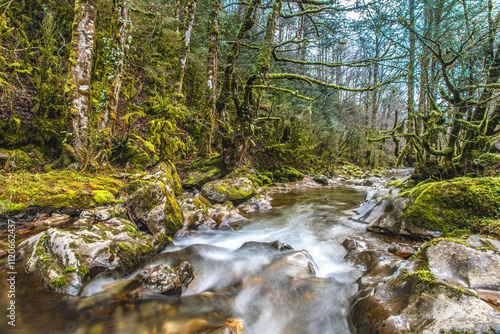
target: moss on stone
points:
(173, 215)
(70, 269)
(134, 185)
(58, 282)
(198, 178)
(455, 204)
(19, 160)
(56, 189)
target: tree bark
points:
(411, 70)
(121, 19)
(82, 45)
(188, 28)
(236, 145)
(213, 48)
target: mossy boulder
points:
(432, 209)
(14, 160)
(445, 287)
(167, 173)
(156, 207)
(197, 179)
(453, 204)
(236, 190)
(291, 174)
(63, 261)
(56, 189)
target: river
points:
(236, 276)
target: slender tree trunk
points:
(213, 47)
(121, 19)
(375, 83)
(82, 45)
(189, 22)
(411, 71)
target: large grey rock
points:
(382, 210)
(389, 222)
(156, 207)
(166, 173)
(200, 214)
(256, 203)
(63, 260)
(236, 190)
(434, 292)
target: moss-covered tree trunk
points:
(211, 89)
(188, 28)
(80, 72)
(120, 34)
(246, 110)
(230, 156)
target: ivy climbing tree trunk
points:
(80, 71)
(122, 21)
(213, 48)
(188, 28)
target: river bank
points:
(231, 262)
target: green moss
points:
(132, 186)
(455, 204)
(69, 269)
(389, 207)
(139, 160)
(245, 191)
(173, 215)
(58, 282)
(197, 179)
(19, 160)
(129, 228)
(83, 271)
(56, 189)
(422, 275)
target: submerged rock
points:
(236, 190)
(159, 278)
(256, 203)
(437, 290)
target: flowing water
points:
(236, 276)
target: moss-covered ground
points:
(56, 189)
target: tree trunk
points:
(121, 19)
(82, 45)
(224, 95)
(246, 112)
(213, 47)
(188, 28)
(375, 83)
(411, 71)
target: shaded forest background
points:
(306, 83)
